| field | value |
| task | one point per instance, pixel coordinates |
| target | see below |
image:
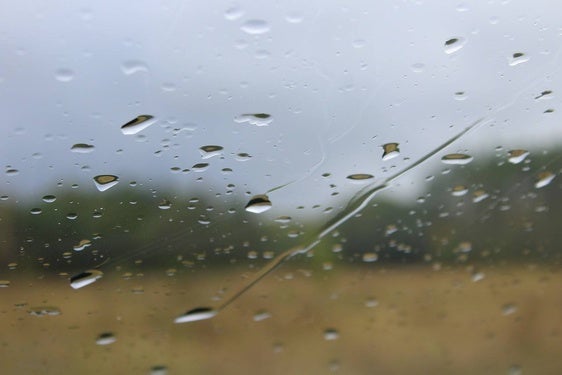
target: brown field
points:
(426, 322)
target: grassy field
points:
(403, 320)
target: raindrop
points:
(159, 370)
(64, 75)
(543, 179)
(460, 95)
(283, 219)
(85, 278)
(164, 204)
(518, 58)
(255, 27)
(360, 177)
(547, 94)
(4, 283)
(44, 311)
(517, 156)
(200, 167)
(233, 13)
(457, 159)
(105, 181)
(515, 370)
(82, 148)
(294, 17)
(508, 309)
(131, 67)
(418, 67)
(370, 257)
(479, 196)
(12, 172)
(137, 124)
(390, 151)
(82, 245)
(459, 190)
(257, 119)
(199, 313)
(106, 338)
(261, 315)
(35, 211)
(210, 151)
(454, 44)
(258, 204)
(243, 156)
(331, 334)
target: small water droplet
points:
(64, 75)
(165, 204)
(515, 370)
(36, 211)
(360, 177)
(210, 150)
(459, 190)
(49, 198)
(82, 148)
(460, 95)
(390, 151)
(547, 94)
(82, 245)
(106, 338)
(479, 196)
(4, 283)
(283, 219)
(418, 67)
(233, 13)
(517, 156)
(509, 308)
(454, 44)
(105, 181)
(85, 278)
(200, 167)
(518, 58)
(457, 159)
(44, 311)
(255, 27)
(294, 17)
(137, 124)
(261, 315)
(258, 204)
(543, 179)
(199, 313)
(159, 370)
(331, 334)
(257, 119)
(243, 156)
(370, 257)
(130, 67)
(72, 216)
(12, 172)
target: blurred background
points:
(137, 139)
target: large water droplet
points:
(199, 313)
(49, 198)
(457, 159)
(106, 338)
(137, 124)
(391, 150)
(85, 278)
(479, 196)
(105, 181)
(82, 148)
(255, 27)
(257, 119)
(454, 44)
(258, 204)
(518, 58)
(360, 177)
(517, 156)
(543, 179)
(210, 151)
(64, 75)
(133, 66)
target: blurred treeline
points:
(516, 222)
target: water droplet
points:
(509, 308)
(233, 13)
(257, 119)
(106, 338)
(72, 216)
(479, 196)
(454, 44)
(370, 257)
(331, 334)
(130, 67)
(390, 150)
(82, 148)
(283, 219)
(210, 151)
(200, 167)
(36, 211)
(82, 245)
(4, 283)
(258, 204)
(460, 95)
(459, 190)
(543, 179)
(159, 370)
(255, 27)
(12, 172)
(199, 313)
(518, 58)
(360, 177)
(515, 370)
(261, 315)
(243, 156)
(547, 94)
(457, 159)
(85, 278)
(517, 156)
(164, 204)
(137, 124)
(418, 67)
(44, 311)
(478, 276)
(64, 75)
(294, 17)
(105, 181)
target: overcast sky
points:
(339, 79)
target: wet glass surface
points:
(281, 188)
